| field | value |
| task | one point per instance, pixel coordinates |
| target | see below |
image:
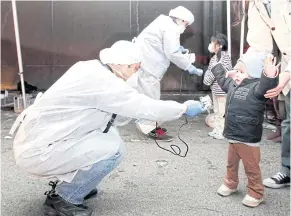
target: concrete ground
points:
(151, 181)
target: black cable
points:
(174, 152)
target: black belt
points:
(109, 124)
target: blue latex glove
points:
(194, 108)
(193, 70)
(181, 48)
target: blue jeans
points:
(87, 180)
(285, 148)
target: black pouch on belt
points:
(109, 124)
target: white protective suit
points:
(159, 43)
(63, 131)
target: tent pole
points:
(16, 30)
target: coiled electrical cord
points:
(173, 147)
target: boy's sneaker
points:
(225, 191)
(206, 103)
(251, 201)
(277, 181)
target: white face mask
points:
(182, 28)
(133, 80)
(210, 48)
(181, 25)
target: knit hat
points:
(254, 62)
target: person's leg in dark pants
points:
(285, 151)
(282, 178)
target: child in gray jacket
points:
(244, 116)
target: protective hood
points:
(183, 14)
(121, 52)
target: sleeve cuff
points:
(276, 75)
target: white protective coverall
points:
(159, 43)
(63, 131)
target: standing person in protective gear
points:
(69, 133)
(160, 45)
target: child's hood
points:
(254, 63)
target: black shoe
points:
(55, 205)
(277, 181)
(91, 194)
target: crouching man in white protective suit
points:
(160, 45)
(69, 133)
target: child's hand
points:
(270, 67)
(230, 73)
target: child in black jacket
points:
(244, 116)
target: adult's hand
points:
(194, 108)
(193, 70)
(283, 81)
(183, 50)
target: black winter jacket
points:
(245, 105)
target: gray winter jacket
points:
(245, 105)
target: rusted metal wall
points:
(55, 35)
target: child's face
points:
(241, 73)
